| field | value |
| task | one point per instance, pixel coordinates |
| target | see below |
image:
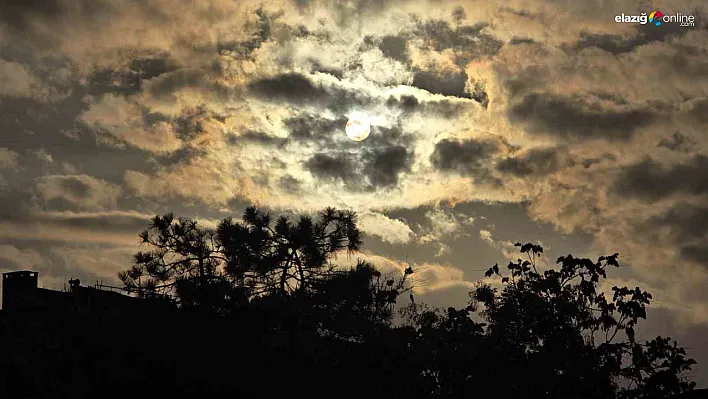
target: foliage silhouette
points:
(260, 300)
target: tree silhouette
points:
(180, 251)
(540, 334)
(260, 301)
(287, 256)
(551, 322)
(238, 260)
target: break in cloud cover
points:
(529, 121)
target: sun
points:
(358, 127)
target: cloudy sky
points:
(538, 120)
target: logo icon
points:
(655, 17)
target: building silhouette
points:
(20, 292)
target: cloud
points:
(572, 118)
(124, 122)
(466, 41)
(308, 127)
(427, 277)
(442, 227)
(338, 167)
(129, 222)
(469, 157)
(687, 225)
(447, 85)
(8, 159)
(18, 81)
(297, 89)
(442, 223)
(93, 262)
(486, 236)
(677, 142)
(651, 181)
(129, 78)
(507, 248)
(395, 47)
(536, 162)
(368, 169)
(695, 253)
(47, 228)
(18, 259)
(393, 231)
(620, 44)
(433, 277)
(81, 191)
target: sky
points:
(540, 121)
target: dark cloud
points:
(296, 89)
(650, 33)
(574, 118)
(459, 14)
(180, 156)
(406, 102)
(520, 40)
(167, 84)
(72, 185)
(535, 162)
(128, 80)
(119, 222)
(688, 61)
(307, 127)
(617, 44)
(188, 125)
(520, 12)
(37, 23)
(19, 13)
(611, 97)
(588, 162)
(445, 84)
(263, 138)
(261, 29)
(697, 253)
(438, 108)
(677, 142)
(317, 67)
(291, 87)
(468, 41)
(651, 181)
(290, 184)
(521, 82)
(27, 126)
(470, 157)
(614, 44)
(380, 137)
(687, 221)
(383, 166)
(364, 170)
(395, 47)
(699, 110)
(333, 167)
(479, 94)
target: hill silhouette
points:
(256, 308)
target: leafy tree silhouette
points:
(554, 333)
